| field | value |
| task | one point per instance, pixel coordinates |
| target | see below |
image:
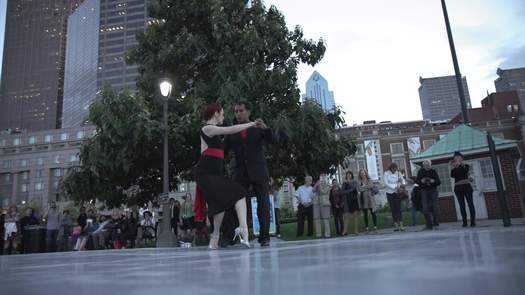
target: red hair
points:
(210, 110)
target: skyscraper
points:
(317, 90)
(31, 90)
(114, 35)
(512, 79)
(439, 97)
(80, 85)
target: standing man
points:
(428, 181)
(251, 170)
(305, 209)
(53, 218)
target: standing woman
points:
(462, 188)
(219, 192)
(349, 192)
(366, 198)
(393, 182)
(337, 202)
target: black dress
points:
(219, 192)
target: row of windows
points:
(57, 159)
(47, 138)
(56, 172)
(398, 148)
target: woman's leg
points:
(365, 217)
(391, 204)
(356, 221)
(374, 218)
(214, 239)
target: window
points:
(360, 150)
(428, 143)
(23, 163)
(397, 148)
(40, 161)
(40, 173)
(25, 175)
(80, 134)
(48, 138)
(7, 177)
(55, 185)
(7, 164)
(57, 159)
(16, 141)
(361, 164)
(39, 186)
(57, 172)
(443, 171)
(23, 188)
(63, 136)
(32, 140)
(487, 173)
(2, 142)
(72, 158)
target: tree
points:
(225, 51)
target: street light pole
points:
(166, 237)
(165, 176)
(459, 79)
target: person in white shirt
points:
(305, 196)
(393, 183)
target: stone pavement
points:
(489, 259)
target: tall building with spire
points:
(317, 90)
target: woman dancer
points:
(219, 192)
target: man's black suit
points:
(251, 171)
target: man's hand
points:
(259, 123)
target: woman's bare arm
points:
(211, 130)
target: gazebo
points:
(472, 143)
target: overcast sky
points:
(378, 49)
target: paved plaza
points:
(485, 260)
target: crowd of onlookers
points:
(318, 203)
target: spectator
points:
(115, 229)
(366, 198)
(86, 232)
(337, 204)
(277, 207)
(28, 220)
(187, 215)
(349, 192)
(428, 181)
(305, 210)
(66, 228)
(82, 218)
(322, 206)
(415, 200)
(175, 216)
(129, 230)
(53, 218)
(3, 214)
(75, 235)
(462, 188)
(11, 230)
(394, 182)
(102, 233)
(147, 226)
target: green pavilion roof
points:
(464, 139)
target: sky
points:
(378, 49)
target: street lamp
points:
(165, 86)
(165, 238)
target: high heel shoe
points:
(240, 233)
(214, 242)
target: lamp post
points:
(165, 90)
(459, 79)
(165, 238)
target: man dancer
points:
(251, 170)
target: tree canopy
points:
(215, 50)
